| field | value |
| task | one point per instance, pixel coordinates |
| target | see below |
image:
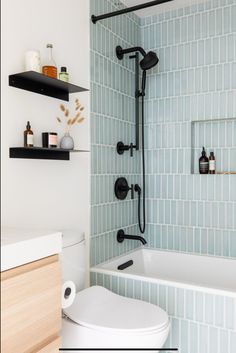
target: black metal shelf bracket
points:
(94, 18)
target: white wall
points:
(37, 193)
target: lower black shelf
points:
(41, 153)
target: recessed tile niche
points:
(218, 136)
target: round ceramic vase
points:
(67, 142)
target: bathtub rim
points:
(182, 285)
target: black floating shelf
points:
(41, 153)
(35, 82)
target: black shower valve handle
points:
(122, 189)
(121, 148)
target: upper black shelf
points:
(35, 82)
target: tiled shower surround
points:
(194, 83)
(112, 120)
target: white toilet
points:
(99, 318)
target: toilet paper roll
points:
(68, 294)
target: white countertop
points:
(21, 246)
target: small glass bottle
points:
(28, 136)
(50, 68)
(63, 75)
(212, 163)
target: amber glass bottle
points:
(50, 68)
(28, 136)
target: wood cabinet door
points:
(31, 305)
(52, 347)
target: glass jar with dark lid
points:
(49, 139)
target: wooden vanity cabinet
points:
(31, 307)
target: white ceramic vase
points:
(67, 142)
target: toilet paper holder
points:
(67, 293)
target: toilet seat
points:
(100, 309)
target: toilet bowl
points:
(99, 318)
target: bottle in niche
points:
(212, 163)
(28, 136)
(50, 67)
(203, 163)
(63, 75)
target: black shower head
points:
(149, 60)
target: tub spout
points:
(121, 236)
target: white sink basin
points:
(21, 246)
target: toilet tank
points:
(73, 258)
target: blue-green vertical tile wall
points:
(194, 81)
(112, 120)
(200, 321)
(190, 103)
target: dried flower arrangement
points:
(77, 119)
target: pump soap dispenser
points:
(203, 163)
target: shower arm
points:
(121, 148)
(120, 52)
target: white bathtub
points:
(202, 273)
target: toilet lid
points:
(99, 308)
